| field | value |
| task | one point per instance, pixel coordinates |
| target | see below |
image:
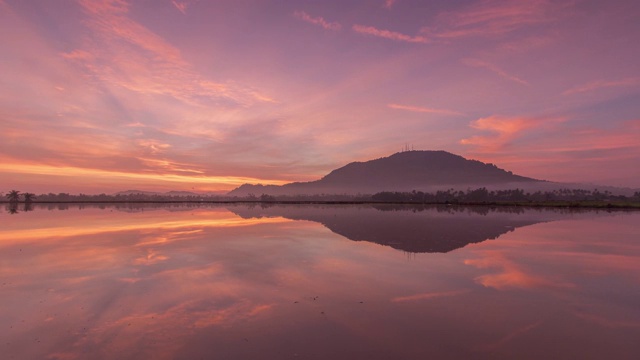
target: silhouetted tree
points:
(13, 196)
(28, 197)
(267, 198)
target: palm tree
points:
(13, 196)
(28, 197)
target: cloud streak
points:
(180, 5)
(319, 21)
(429, 296)
(492, 18)
(387, 34)
(124, 53)
(493, 68)
(388, 4)
(67, 171)
(603, 84)
(424, 110)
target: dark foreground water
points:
(318, 282)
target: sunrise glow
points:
(111, 95)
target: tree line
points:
(15, 196)
(450, 196)
(483, 195)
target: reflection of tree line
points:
(444, 208)
(15, 197)
(133, 207)
(484, 196)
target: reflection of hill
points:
(412, 229)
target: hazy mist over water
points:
(316, 282)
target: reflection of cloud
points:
(387, 34)
(149, 224)
(512, 335)
(511, 275)
(317, 21)
(607, 322)
(428, 296)
(123, 335)
(168, 237)
(424, 109)
(230, 315)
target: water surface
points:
(318, 282)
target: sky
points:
(158, 95)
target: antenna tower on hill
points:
(407, 147)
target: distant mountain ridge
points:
(403, 171)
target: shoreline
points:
(551, 204)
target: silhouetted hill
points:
(404, 171)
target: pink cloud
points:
(603, 84)
(493, 68)
(490, 18)
(424, 110)
(389, 3)
(569, 154)
(317, 21)
(180, 5)
(153, 146)
(124, 53)
(391, 35)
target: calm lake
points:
(318, 282)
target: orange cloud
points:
(317, 21)
(389, 3)
(153, 146)
(391, 35)
(67, 171)
(505, 129)
(424, 109)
